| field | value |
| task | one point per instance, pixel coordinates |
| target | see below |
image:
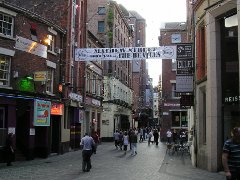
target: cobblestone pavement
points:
(151, 162)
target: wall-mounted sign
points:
(185, 67)
(186, 100)
(171, 104)
(75, 97)
(184, 84)
(232, 99)
(40, 76)
(32, 47)
(184, 51)
(42, 113)
(57, 109)
(127, 53)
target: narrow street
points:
(151, 162)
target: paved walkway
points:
(151, 162)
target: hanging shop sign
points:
(185, 67)
(184, 84)
(32, 47)
(42, 112)
(184, 51)
(125, 53)
(186, 100)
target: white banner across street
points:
(126, 53)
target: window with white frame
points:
(94, 85)
(5, 62)
(50, 78)
(6, 24)
(52, 41)
(99, 89)
(174, 93)
(88, 82)
(174, 64)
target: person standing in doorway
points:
(231, 156)
(9, 149)
(88, 143)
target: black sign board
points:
(184, 51)
(185, 66)
(186, 100)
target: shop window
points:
(4, 70)
(175, 119)
(3, 129)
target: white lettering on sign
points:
(76, 97)
(232, 99)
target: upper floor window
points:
(4, 70)
(94, 85)
(174, 64)
(101, 25)
(88, 82)
(51, 46)
(6, 25)
(101, 10)
(174, 93)
(49, 83)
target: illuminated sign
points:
(57, 109)
(40, 76)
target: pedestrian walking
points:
(133, 140)
(231, 156)
(150, 134)
(156, 136)
(9, 149)
(120, 141)
(125, 142)
(116, 138)
(169, 136)
(141, 135)
(88, 144)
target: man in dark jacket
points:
(231, 156)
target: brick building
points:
(172, 116)
(30, 103)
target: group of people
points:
(123, 139)
(174, 136)
(230, 155)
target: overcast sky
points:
(156, 12)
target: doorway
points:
(55, 133)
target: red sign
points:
(57, 109)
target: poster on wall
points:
(42, 111)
